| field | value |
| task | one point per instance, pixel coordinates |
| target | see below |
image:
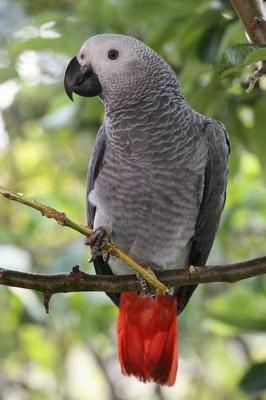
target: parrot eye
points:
(113, 54)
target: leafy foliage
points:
(254, 380)
(240, 55)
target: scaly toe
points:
(146, 287)
(97, 240)
(170, 291)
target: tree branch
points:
(62, 219)
(253, 16)
(78, 281)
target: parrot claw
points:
(146, 287)
(97, 240)
(170, 291)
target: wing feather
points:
(213, 200)
(212, 204)
(101, 267)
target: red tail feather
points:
(147, 337)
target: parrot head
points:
(114, 66)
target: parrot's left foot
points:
(97, 240)
(146, 287)
(170, 291)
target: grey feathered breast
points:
(211, 200)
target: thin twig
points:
(108, 378)
(62, 219)
(255, 76)
(77, 281)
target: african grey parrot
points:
(156, 187)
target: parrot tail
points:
(147, 337)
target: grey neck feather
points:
(148, 112)
(140, 126)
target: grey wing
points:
(94, 169)
(96, 162)
(212, 204)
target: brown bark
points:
(78, 281)
(252, 13)
(253, 16)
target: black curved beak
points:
(81, 80)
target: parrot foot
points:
(97, 240)
(170, 291)
(146, 287)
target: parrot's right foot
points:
(97, 240)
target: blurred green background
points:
(45, 144)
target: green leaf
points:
(255, 379)
(239, 55)
(241, 308)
